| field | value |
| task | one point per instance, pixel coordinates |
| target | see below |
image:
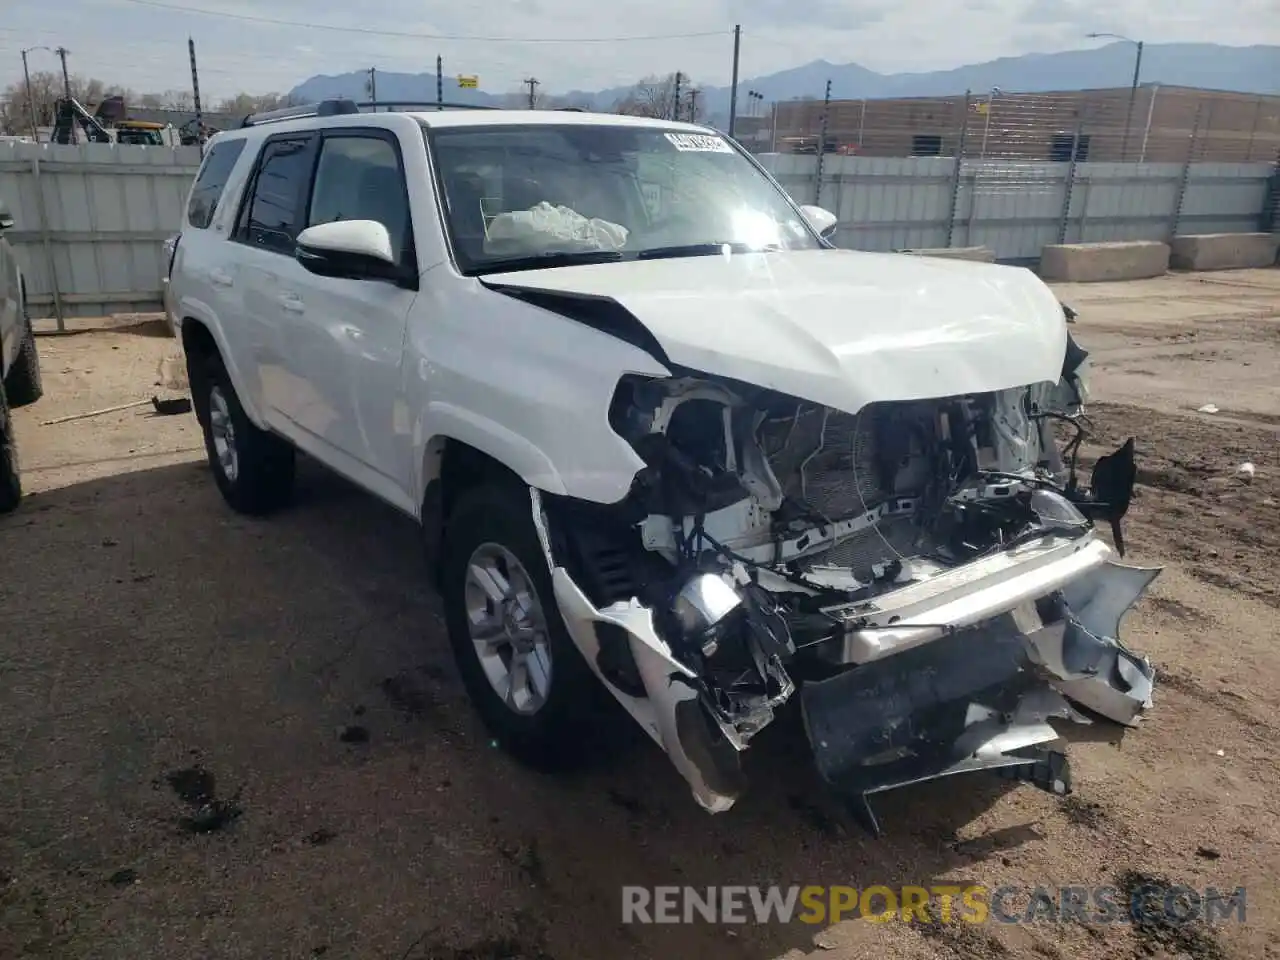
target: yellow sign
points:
(983, 107)
(468, 83)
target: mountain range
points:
(1254, 69)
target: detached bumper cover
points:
(983, 697)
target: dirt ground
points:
(148, 634)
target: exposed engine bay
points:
(925, 574)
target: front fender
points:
(492, 438)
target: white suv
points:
(661, 435)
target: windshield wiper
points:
(700, 250)
(552, 258)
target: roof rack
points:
(325, 108)
(393, 105)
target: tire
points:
(24, 384)
(254, 469)
(10, 483)
(492, 525)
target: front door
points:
(345, 338)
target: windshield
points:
(521, 197)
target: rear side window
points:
(272, 214)
(211, 181)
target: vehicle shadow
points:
(300, 662)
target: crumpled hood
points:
(837, 327)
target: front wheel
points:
(10, 483)
(254, 469)
(522, 671)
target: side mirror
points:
(823, 221)
(6, 218)
(351, 249)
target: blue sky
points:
(144, 47)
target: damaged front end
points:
(925, 577)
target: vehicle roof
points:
(487, 118)
(471, 119)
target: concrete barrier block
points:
(1224, 251)
(979, 254)
(1095, 262)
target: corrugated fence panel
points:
(1123, 201)
(1013, 207)
(102, 211)
(1225, 197)
(883, 203)
(794, 173)
(98, 214)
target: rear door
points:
(270, 218)
(198, 280)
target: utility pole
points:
(532, 84)
(195, 91)
(66, 80)
(373, 86)
(693, 106)
(733, 88)
(31, 107)
(676, 99)
(439, 83)
(1133, 87)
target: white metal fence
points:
(91, 219)
(1014, 207)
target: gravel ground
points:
(158, 652)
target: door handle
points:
(221, 278)
(292, 302)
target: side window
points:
(359, 178)
(269, 218)
(211, 181)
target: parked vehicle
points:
(661, 435)
(20, 382)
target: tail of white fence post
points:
(50, 263)
(1146, 131)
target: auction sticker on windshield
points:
(699, 143)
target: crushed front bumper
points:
(969, 672)
(985, 697)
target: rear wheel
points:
(24, 384)
(254, 469)
(10, 484)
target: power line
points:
(158, 4)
